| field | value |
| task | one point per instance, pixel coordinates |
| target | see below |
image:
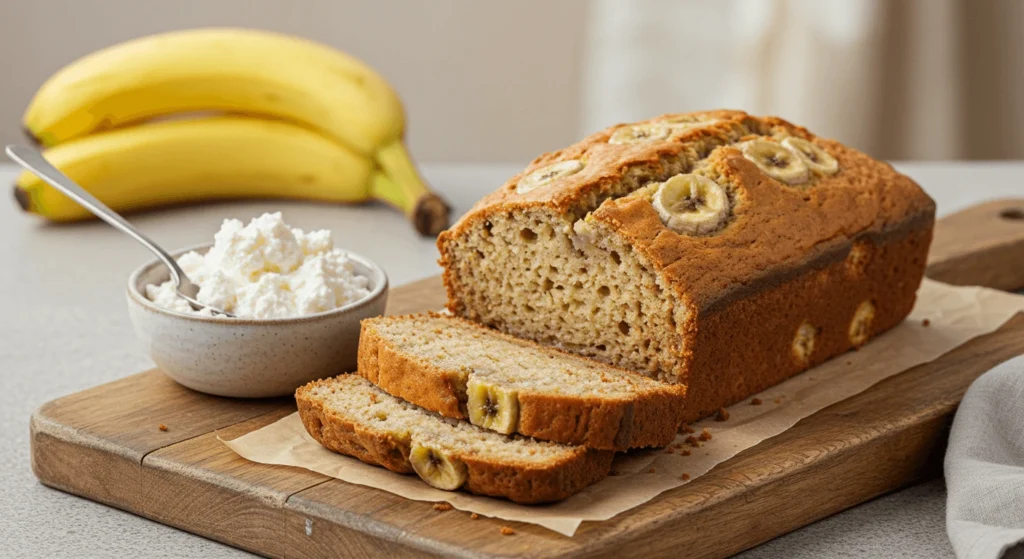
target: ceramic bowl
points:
(251, 358)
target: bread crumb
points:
(686, 429)
(506, 531)
(756, 402)
(778, 400)
(651, 471)
(162, 427)
(705, 435)
(723, 415)
(849, 362)
(685, 452)
(926, 323)
(668, 451)
(442, 506)
(474, 516)
(692, 441)
(684, 477)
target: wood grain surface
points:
(982, 245)
(105, 444)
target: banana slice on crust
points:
(492, 407)
(437, 468)
(691, 204)
(687, 122)
(776, 161)
(814, 156)
(548, 175)
(639, 134)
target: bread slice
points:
(466, 371)
(348, 414)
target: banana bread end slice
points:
(349, 415)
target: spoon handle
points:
(35, 162)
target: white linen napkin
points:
(985, 467)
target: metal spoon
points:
(34, 161)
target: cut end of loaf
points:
(533, 275)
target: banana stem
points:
(24, 199)
(399, 184)
(384, 189)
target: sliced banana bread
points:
(463, 370)
(717, 249)
(350, 415)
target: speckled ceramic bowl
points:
(250, 358)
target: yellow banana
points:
(255, 73)
(180, 161)
(231, 70)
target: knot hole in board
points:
(1012, 214)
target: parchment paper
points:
(955, 315)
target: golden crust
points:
(404, 376)
(772, 225)
(554, 481)
(650, 418)
(744, 346)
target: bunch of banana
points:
(223, 113)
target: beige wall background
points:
(482, 81)
(503, 81)
(898, 79)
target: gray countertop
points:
(65, 328)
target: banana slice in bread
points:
(435, 467)
(492, 406)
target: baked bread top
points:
(606, 183)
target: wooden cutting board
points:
(105, 444)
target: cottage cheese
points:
(266, 269)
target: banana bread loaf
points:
(466, 371)
(717, 249)
(349, 415)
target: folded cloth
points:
(985, 467)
